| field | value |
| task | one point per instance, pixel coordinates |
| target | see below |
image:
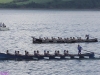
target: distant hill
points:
(5, 1)
(51, 4)
(27, 1)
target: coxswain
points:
(79, 49)
(87, 37)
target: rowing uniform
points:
(79, 49)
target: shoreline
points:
(49, 9)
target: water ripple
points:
(49, 23)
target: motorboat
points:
(3, 27)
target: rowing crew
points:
(58, 39)
(61, 39)
(36, 53)
(57, 53)
(46, 53)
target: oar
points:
(86, 50)
(93, 52)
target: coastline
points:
(49, 9)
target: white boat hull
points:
(4, 28)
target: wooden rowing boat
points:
(39, 40)
(4, 29)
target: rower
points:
(58, 53)
(18, 52)
(40, 39)
(55, 53)
(73, 38)
(52, 38)
(77, 38)
(48, 53)
(67, 39)
(4, 25)
(64, 39)
(25, 52)
(45, 53)
(46, 38)
(65, 52)
(80, 38)
(70, 38)
(7, 52)
(58, 38)
(35, 53)
(15, 52)
(38, 53)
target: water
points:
(47, 23)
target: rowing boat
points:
(39, 40)
(4, 56)
(3, 27)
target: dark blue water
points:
(49, 23)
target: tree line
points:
(57, 4)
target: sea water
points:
(24, 24)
